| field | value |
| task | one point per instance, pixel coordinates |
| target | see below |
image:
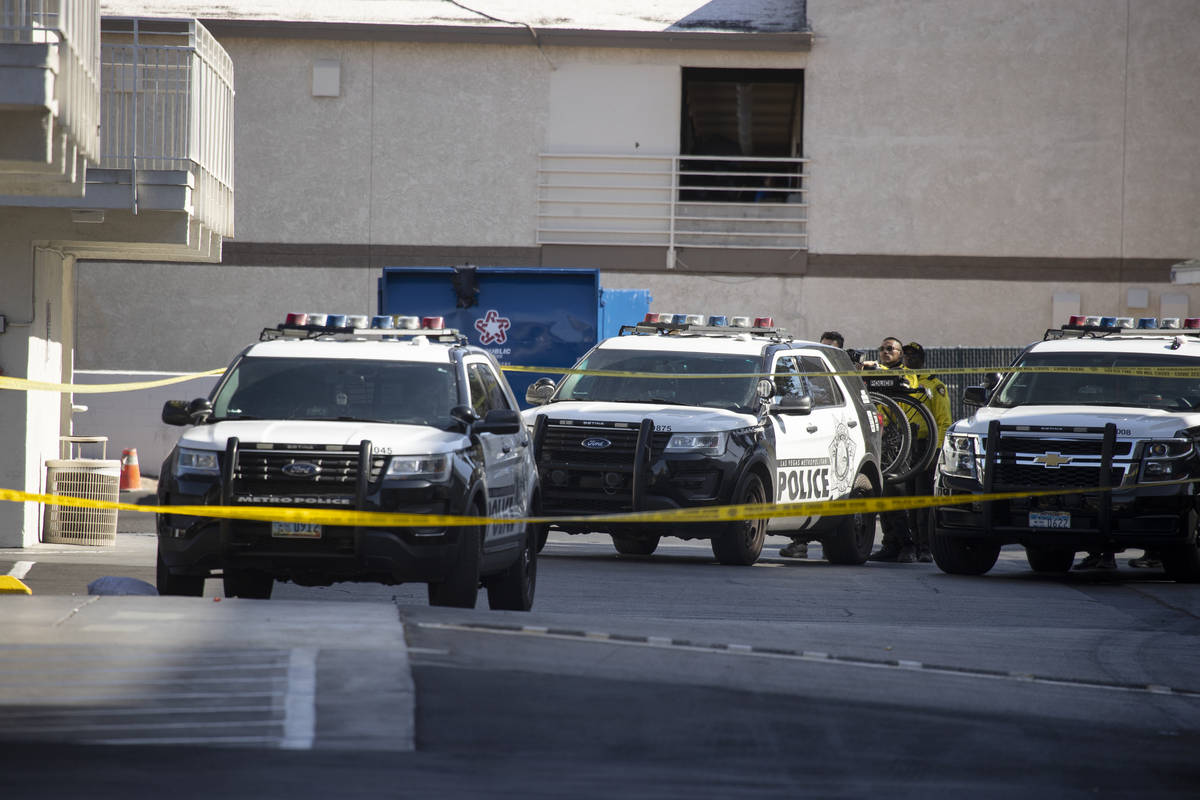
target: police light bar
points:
(405, 323)
(740, 322)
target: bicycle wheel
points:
(895, 438)
(912, 410)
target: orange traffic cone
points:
(131, 474)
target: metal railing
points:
(167, 90)
(73, 27)
(672, 201)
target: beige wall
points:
(975, 127)
(937, 313)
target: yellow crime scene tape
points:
(728, 513)
(23, 384)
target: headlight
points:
(958, 455)
(1164, 460)
(429, 468)
(197, 462)
(709, 444)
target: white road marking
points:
(300, 703)
(832, 660)
(21, 569)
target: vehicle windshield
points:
(735, 394)
(1097, 389)
(337, 389)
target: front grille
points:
(1027, 476)
(1066, 447)
(330, 471)
(565, 443)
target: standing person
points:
(799, 546)
(937, 400)
(897, 545)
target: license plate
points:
(1049, 519)
(295, 530)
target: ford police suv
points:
(1109, 415)
(330, 416)
(698, 425)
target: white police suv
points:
(327, 414)
(1101, 412)
(610, 441)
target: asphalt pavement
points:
(130, 669)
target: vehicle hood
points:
(400, 439)
(1142, 423)
(692, 419)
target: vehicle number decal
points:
(377, 450)
(803, 484)
(502, 506)
(662, 427)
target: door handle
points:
(811, 429)
(852, 423)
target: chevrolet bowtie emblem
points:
(1052, 460)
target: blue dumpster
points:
(526, 316)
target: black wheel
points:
(855, 535)
(959, 556)
(635, 545)
(248, 583)
(742, 541)
(460, 588)
(918, 460)
(184, 585)
(1057, 561)
(540, 534)
(1182, 562)
(895, 437)
(512, 590)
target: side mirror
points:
(175, 412)
(975, 396)
(540, 392)
(464, 414)
(501, 421)
(794, 404)
(183, 412)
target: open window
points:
(740, 121)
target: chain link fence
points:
(938, 359)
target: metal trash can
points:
(90, 478)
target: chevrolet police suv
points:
(1111, 416)
(677, 414)
(330, 416)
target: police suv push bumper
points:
(618, 465)
(1126, 508)
(354, 481)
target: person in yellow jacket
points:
(937, 400)
(898, 545)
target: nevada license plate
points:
(295, 530)
(1049, 519)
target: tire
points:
(540, 534)
(1051, 561)
(958, 556)
(742, 541)
(1181, 562)
(635, 545)
(181, 585)
(248, 583)
(851, 543)
(895, 437)
(460, 587)
(915, 465)
(512, 590)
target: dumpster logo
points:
(493, 328)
